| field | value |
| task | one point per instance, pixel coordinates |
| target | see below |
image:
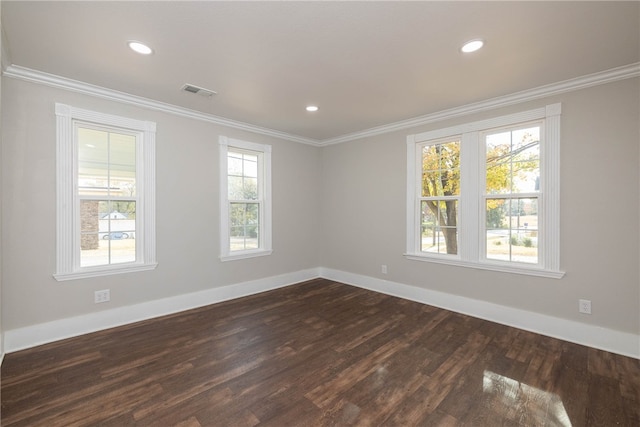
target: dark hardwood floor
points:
(318, 354)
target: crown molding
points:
(595, 79)
(608, 76)
(34, 76)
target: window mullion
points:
(416, 233)
(470, 189)
(550, 177)
(73, 249)
(412, 204)
(511, 195)
(225, 202)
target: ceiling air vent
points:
(199, 90)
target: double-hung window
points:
(105, 194)
(439, 196)
(486, 194)
(245, 205)
(512, 193)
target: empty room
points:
(320, 213)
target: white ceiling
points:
(365, 64)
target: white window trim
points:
(67, 229)
(265, 213)
(471, 252)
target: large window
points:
(486, 194)
(105, 193)
(245, 207)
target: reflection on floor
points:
(525, 405)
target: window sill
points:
(245, 255)
(98, 272)
(529, 271)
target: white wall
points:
(364, 194)
(187, 211)
(339, 208)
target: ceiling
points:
(365, 64)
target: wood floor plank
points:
(319, 353)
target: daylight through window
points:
(440, 197)
(107, 196)
(246, 201)
(106, 193)
(486, 194)
(512, 181)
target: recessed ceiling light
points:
(472, 46)
(139, 47)
(312, 108)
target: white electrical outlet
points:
(102, 296)
(584, 306)
(384, 269)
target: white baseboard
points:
(31, 336)
(623, 343)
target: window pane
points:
(441, 169)
(526, 176)
(513, 161)
(234, 164)
(526, 138)
(107, 232)
(512, 229)
(244, 222)
(250, 165)
(106, 163)
(439, 232)
(498, 174)
(118, 209)
(497, 213)
(528, 153)
(242, 176)
(93, 162)
(252, 230)
(250, 189)
(236, 190)
(122, 164)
